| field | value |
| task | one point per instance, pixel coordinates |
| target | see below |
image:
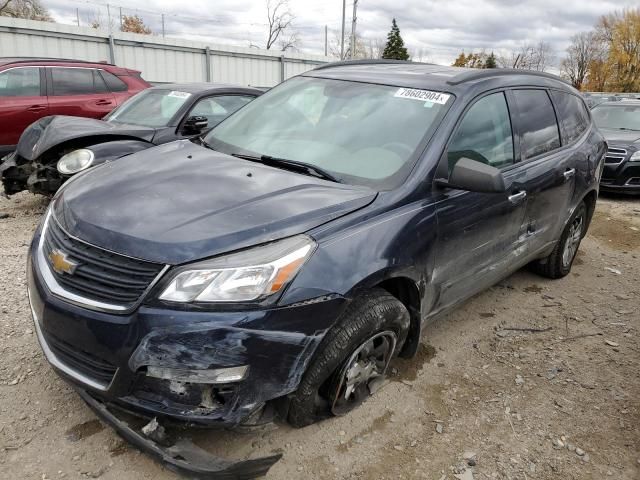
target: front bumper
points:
(108, 354)
(619, 174)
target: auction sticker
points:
(422, 95)
(177, 94)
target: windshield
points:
(149, 108)
(617, 116)
(360, 133)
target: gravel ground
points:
(482, 400)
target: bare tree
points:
(529, 57)
(290, 42)
(27, 9)
(280, 19)
(584, 49)
(364, 47)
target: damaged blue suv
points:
(276, 265)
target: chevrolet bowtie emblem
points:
(60, 262)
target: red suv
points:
(32, 88)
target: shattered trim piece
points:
(184, 456)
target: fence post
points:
(207, 62)
(112, 50)
(281, 68)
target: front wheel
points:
(558, 264)
(352, 359)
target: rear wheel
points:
(352, 360)
(558, 264)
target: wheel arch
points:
(405, 287)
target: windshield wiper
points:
(627, 128)
(301, 167)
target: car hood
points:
(617, 136)
(181, 202)
(48, 132)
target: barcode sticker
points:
(177, 94)
(422, 95)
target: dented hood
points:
(181, 202)
(48, 132)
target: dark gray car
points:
(56, 147)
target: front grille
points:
(615, 155)
(99, 274)
(83, 362)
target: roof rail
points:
(50, 59)
(375, 61)
(495, 72)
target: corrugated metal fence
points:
(159, 59)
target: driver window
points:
(484, 135)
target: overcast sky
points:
(435, 30)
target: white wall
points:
(159, 59)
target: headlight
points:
(76, 161)
(635, 157)
(245, 276)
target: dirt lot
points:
(559, 403)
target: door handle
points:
(569, 173)
(516, 198)
(36, 108)
(103, 102)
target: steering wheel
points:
(400, 148)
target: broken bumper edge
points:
(184, 456)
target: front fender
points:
(397, 243)
(109, 151)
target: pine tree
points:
(491, 61)
(395, 48)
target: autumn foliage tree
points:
(611, 52)
(476, 60)
(134, 24)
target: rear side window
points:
(537, 120)
(484, 135)
(20, 82)
(573, 115)
(113, 82)
(76, 81)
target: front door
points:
(479, 234)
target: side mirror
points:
(194, 125)
(475, 177)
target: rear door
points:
(22, 102)
(117, 87)
(479, 234)
(551, 167)
(78, 91)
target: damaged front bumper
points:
(19, 174)
(207, 368)
(182, 456)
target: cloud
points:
(441, 28)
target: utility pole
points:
(78, 16)
(109, 17)
(353, 30)
(120, 18)
(325, 40)
(163, 25)
(344, 11)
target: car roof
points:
(13, 60)
(205, 88)
(430, 76)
